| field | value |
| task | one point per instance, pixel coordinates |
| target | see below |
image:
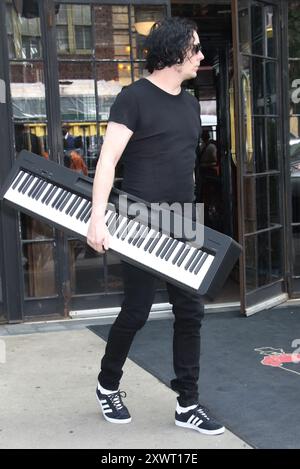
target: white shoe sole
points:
(219, 431)
(112, 420)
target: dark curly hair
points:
(168, 43)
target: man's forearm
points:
(102, 186)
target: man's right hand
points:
(98, 235)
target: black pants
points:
(139, 290)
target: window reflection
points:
(294, 141)
(77, 91)
(296, 249)
(257, 29)
(143, 17)
(28, 91)
(263, 259)
(276, 255)
(244, 27)
(271, 87)
(24, 32)
(112, 32)
(263, 30)
(39, 269)
(86, 269)
(294, 133)
(293, 28)
(74, 30)
(251, 262)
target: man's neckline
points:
(164, 91)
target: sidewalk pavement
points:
(47, 386)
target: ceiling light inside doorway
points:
(143, 27)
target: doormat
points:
(250, 370)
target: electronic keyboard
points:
(63, 198)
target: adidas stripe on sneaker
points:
(112, 406)
(197, 418)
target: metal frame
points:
(278, 286)
(10, 247)
(293, 281)
(15, 305)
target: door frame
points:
(275, 293)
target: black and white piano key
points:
(201, 263)
(196, 259)
(151, 248)
(17, 179)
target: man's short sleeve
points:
(124, 109)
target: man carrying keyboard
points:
(155, 125)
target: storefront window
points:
(100, 50)
(294, 134)
(74, 30)
(112, 39)
(23, 31)
(27, 88)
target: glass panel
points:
(257, 29)
(86, 269)
(263, 259)
(111, 77)
(272, 142)
(293, 28)
(259, 88)
(39, 269)
(256, 203)
(294, 76)
(32, 137)
(74, 31)
(139, 71)
(244, 27)
(111, 32)
(250, 205)
(296, 250)
(251, 261)
(28, 91)
(271, 32)
(86, 144)
(275, 199)
(276, 255)
(143, 18)
(295, 167)
(262, 191)
(77, 91)
(271, 87)
(263, 30)
(260, 152)
(33, 229)
(114, 273)
(23, 31)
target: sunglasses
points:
(196, 48)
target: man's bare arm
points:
(116, 139)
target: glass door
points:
(259, 161)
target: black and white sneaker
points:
(112, 406)
(197, 418)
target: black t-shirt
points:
(159, 159)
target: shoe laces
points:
(202, 412)
(116, 399)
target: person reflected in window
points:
(206, 163)
(69, 140)
(77, 163)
